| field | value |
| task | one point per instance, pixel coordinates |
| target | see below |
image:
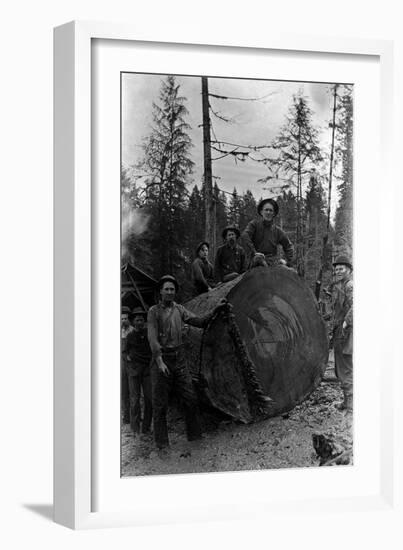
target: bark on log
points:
(281, 331)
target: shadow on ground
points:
(44, 510)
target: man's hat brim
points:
(343, 260)
(138, 311)
(231, 228)
(271, 201)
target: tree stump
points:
(280, 332)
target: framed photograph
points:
(213, 203)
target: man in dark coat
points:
(342, 295)
(169, 371)
(138, 354)
(202, 270)
(230, 260)
(262, 237)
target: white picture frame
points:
(75, 470)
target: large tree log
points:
(280, 343)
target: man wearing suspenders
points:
(169, 371)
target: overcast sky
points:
(254, 122)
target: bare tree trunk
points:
(329, 204)
(208, 177)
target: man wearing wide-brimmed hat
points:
(202, 269)
(262, 236)
(169, 370)
(343, 328)
(138, 354)
(230, 260)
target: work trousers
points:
(343, 366)
(138, 383)
(179, 381)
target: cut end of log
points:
(283, 345)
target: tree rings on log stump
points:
(281, 331)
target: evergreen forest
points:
(164, 211)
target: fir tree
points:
(248, 211)
(168, 163)
(194, 220)
(315, 227)
(287, 217)
(221, 214)
(235, 208)
(298, 153)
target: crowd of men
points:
(153, 361)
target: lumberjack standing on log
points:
(230, 260)
(343, 328)
(202, 270)
(261, 236)
(169, 370)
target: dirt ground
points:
(281, 442)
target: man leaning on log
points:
(169, 371)
(261, 237)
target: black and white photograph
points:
(236, 274)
